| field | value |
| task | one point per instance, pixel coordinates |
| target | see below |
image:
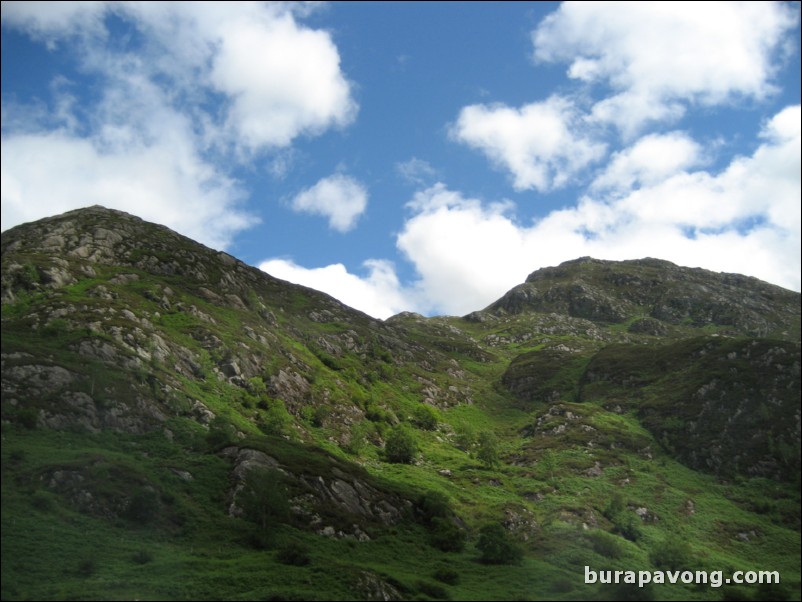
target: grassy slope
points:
(190, 547)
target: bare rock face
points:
(337, 493)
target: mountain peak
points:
(615, 292)
(197, 406)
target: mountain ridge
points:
(161, 393)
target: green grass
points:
(593, 435)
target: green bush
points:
(294, 554)
(400, 447)
(425, 417)
(264, 499)
(28, 417)
(42, 501)
(433, 504)
(276, 420)
(221, 433)
(445, 535)
(496, 547)
(605, 544)
(488, 449)
(359, 437)
(464, 437)
(674, 554)
(773, 591)
(143, 506)
(447, 575)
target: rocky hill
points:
(179, 424)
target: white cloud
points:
(339, 198)
(659, 56)
(378, 294)
(464, 252)
(48, 173)
(651, 159)
(50, 20)
(416, 171)
(283, 79)
(745, 219)
(280, 78)
(155, 134)
(539, 144)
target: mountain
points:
(177, 424)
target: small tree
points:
(143, 506)
(264, 499)
(221, 433)
(488, 449)
(464, 437)
(400, 447)
(425, 417)
(496, 547)
(445, 535)
(276, 420)
(444, 532)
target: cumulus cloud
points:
(463, 251)
(540, 144)
(50, 20)
(379, 293)
(339, 198)
(651, 159)
(283, 79)
(48, 173)
(467, 253)
(658, 57)
(202, 87)
(744, 219)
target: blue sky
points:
(416, 156)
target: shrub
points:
(488, 449)
(605, 544)
(464, 437)
(445, 535)
(627, 525)
(772, 591)
(276, 420)
(615, 507)
(144, 506)
(433, 504)
(264, 499)
(425, 417)
(400, 447)
(221, 433)
(28, 417)
(496, 547)
(41, 500)
(674, 554)
(446, 575)
(294, 554)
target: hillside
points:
(177, 424)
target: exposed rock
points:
(370, 586)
